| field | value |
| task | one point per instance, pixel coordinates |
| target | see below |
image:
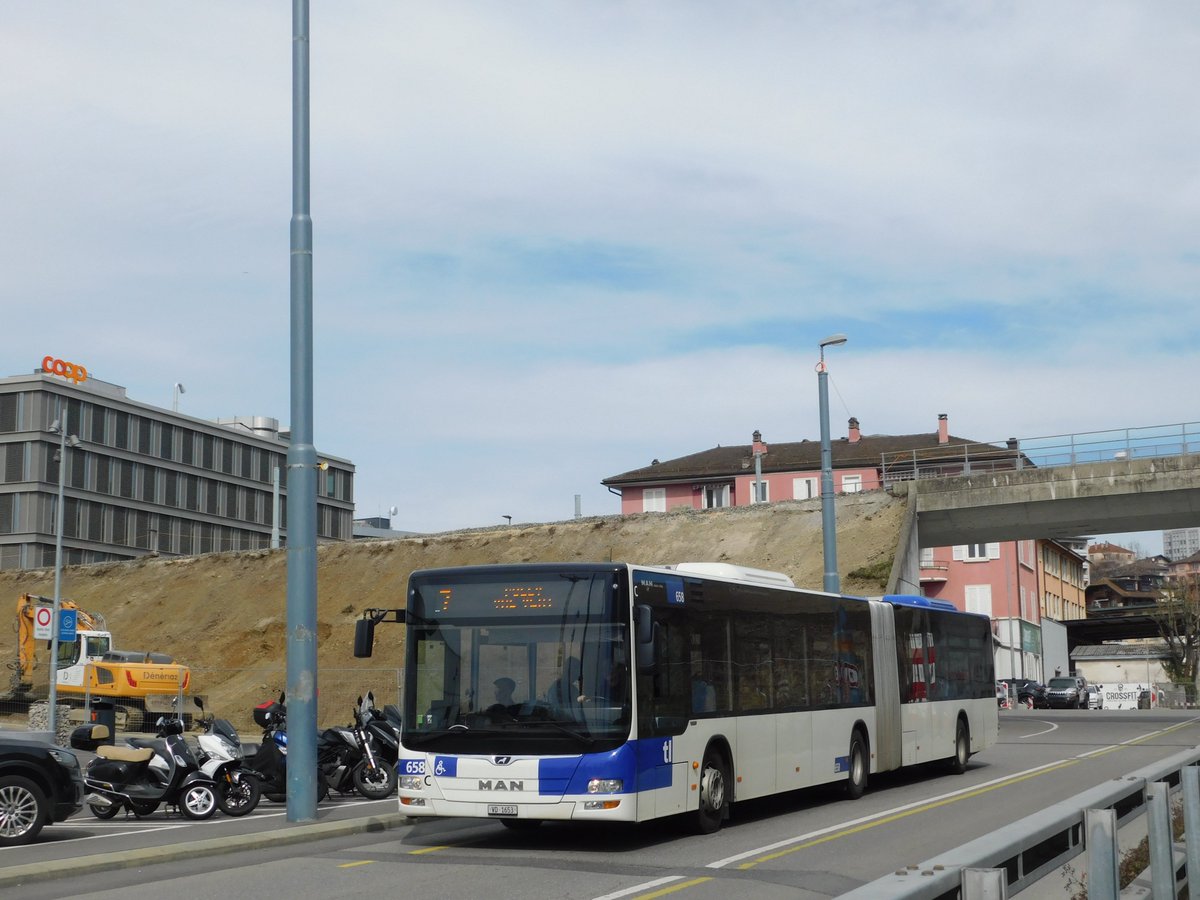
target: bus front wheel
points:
(962, 748)
(714, 792)
(856, 784)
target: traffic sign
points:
(42, 617)
(67, 621)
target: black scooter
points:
(384, 727)
(352, 761)
(144, 774)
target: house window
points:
(851, 484)
(714, 496)
(926, 557)
(976, 552)
(763, 494)
(978, 598)
(654, 499)
(805, 488)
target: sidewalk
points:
(272, 835)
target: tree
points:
(1178, 618)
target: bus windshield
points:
(521, 661)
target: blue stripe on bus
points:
(640, 765)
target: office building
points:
(142, 479)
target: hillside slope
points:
(225, 614)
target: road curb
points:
(128, 859)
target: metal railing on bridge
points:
(1019, 855)
(1052, 451)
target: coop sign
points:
(68, 370)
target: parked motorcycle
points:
(384, 726)
(351, 760)
(269, 761)
(143, 774)
(238, 786)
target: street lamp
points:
(832, 583)
(59, 427)
(179, 389)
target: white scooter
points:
(238, 787)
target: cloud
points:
(552, 243)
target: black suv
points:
(1026, 691)
(40, 784)
(1067, 692)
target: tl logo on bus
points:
(68, 370)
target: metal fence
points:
(1154, 441)
(226, 693)
(1019, 855)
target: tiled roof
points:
(1108, 548)
(805, 456)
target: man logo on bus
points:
(70, 371)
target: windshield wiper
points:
(583, 737)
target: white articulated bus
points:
(623, 693)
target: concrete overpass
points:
(1079, 500)
(1065, 501)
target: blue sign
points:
(67, 622)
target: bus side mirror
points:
(644, 632)
(364, 638)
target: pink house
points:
(725, 476)
(1000, 580)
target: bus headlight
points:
(605, 786)
(411, 782)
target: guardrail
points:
(1021, 854)
(1052, 451)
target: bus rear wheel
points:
(714, 792)
(962, 748)
(856, 783)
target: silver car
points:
(1095, 698)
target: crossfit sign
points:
(70, 371)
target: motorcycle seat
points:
(124, 754)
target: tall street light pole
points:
(60, 426)
(301, 460)
(832, 583)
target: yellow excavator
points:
(139, 682)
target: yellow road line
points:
(362, 862)
(673, 888)
(428, 850)
(903, 815)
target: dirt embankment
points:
(225, 614)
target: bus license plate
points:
(502, 809)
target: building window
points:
(978, 598)
(763, 494)
(654, 499)
(805, 488)
(926, 557)
(976, 552)
(714, 496)
(8, 413)
(851, 484)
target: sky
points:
(553, 242)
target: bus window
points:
(665, 695)
(752, 663)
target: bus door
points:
(664, 697)
(917, 662)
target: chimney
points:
(943, 428)
(854, 432)
(759, 446)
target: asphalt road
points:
(807, 844)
